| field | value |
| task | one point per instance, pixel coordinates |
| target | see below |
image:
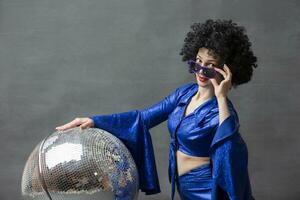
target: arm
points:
(223, 109)
(132, 128)
(150, 116)
(229, 156)
(159, 112)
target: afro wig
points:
(225, 40)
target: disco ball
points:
(89, 164)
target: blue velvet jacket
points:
(228, 151)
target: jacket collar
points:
(184, 99)
(204, 108)
(190, 93)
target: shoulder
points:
(184, 89)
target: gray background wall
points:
(62, 59)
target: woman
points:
(208, 157)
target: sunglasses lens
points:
(209, 73)
(192, 66)
(195, 68)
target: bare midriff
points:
(186, 162)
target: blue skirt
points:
(196, 184)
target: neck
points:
(204, 93)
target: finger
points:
(85, 125)
(71, 124)
(222, 83)
(227, 69)
(62, 127)
(228, 83)
(228, 73)
(214, 82)
(221, 72)
(229, 77)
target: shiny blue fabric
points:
(196, 184)
(195, 131)
(197, 134)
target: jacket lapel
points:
(178, 113)
(206, 108)
(200, 111)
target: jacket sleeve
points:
(229, 156)
(132, 128)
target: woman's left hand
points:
(222, 89)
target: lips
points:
(202, 78)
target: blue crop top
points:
(196, 130)
(193, 134)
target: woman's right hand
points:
(82, 122)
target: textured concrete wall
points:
(62, 59)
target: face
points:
(204, 58)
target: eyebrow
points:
(208, 60)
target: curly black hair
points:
(226, 40)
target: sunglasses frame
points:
(207, 71)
